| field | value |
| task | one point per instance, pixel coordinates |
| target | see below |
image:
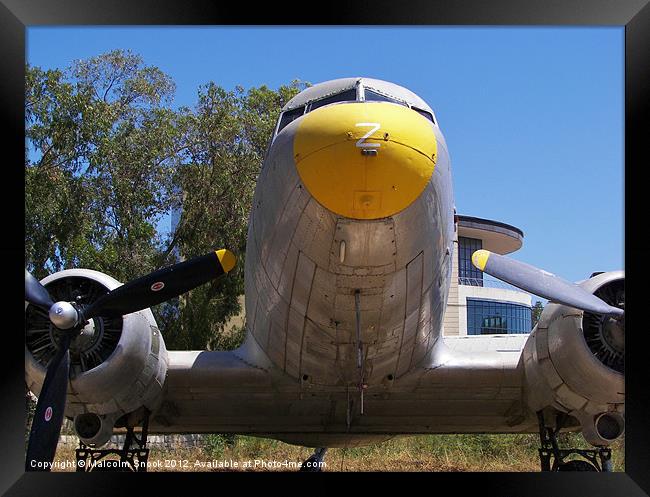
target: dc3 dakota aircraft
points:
(347, 274)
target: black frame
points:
(15, 15)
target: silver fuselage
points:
(300, 297)
(319, 367)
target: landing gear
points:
(130, 458)
(599, 459)
(314, 464)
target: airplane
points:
(347, 274)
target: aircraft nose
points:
(365, 160)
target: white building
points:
(479, 304)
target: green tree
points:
(106, 159)
(227, 135)
(102, 147)
(53, 190)
(538, 308)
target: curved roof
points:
(498, 237)
(326, 88)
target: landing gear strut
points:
(314, 464)
(599, 459)
(130, 458)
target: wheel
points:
(576, 465)
(608, 465)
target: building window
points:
(467, 273)
(487, 317)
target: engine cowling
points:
(574, 363)
(117, 365)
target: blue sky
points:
(533, 117)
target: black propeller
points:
(36, 294)
(542, 283)
(46, 425)
(70, 319)
(161, 285)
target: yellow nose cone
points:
(365, 160)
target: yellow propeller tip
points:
(227, 259)
(480, 258)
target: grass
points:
(418, 453)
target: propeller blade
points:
(540, 282)
(46, 426)
(35, 293)
(162, 285)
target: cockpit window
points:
(378, 97)
(345, 96)
(424, 113)
(289, 116)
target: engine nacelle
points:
(117, 365)
(574, 363)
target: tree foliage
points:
(226, 138)
(537, 310)
(101, 146)
(107, 157)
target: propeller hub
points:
(63, 315)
